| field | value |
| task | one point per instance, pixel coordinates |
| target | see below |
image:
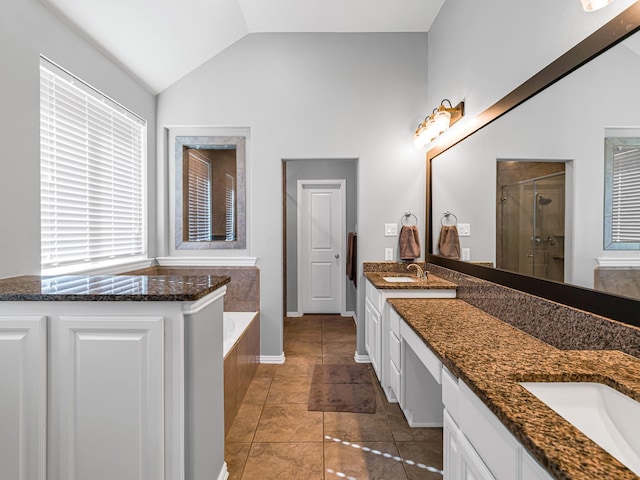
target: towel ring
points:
(448, 216)
(407, 218)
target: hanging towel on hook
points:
(449, 242)
(409, 242)
(352, 258)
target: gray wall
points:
(318, 170)
(27, 29)
(311, 96)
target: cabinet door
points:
(451, 451)
(373, 325)
(107, 398)
(23, 397)
(471, 465)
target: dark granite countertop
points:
(492, 357)
(433, 282)
(95, 288)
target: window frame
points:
(87, 93)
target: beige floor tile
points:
(244, 425)
(235, 454)
(357, 426)
(292, 336)
(337, 349)
(265, 370)
(303, 348)
(423, 460)
(402, 432)
(341, 360)
(366, 460)
(284, 461)
(289, 390)
(339, 336)
(289, 423)
(257, 391)
(297, 366)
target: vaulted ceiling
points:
(160, 41)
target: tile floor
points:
(274, 436)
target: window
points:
(91, 174)
(622, 193)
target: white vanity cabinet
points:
(476, 444)
(23, 401)
(380, 340)
(103, 390)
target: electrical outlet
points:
(466, 254)
(390, 229)
(388, 253)
(464, 229)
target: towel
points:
(409, 242)
(352, 258)
(449, 243)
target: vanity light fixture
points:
(437, 123)
(592, 5)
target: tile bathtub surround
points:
(275, 436)
(619, 280)
(492, 357)
(243, 291)
(563, 327)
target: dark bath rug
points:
(342, 388)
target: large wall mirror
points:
(539, 155)
(210, 192)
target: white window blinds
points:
(625, 222)
(199, 197)
(91, 174)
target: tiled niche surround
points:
(558, 325)
(243, 291)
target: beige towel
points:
(449, 243)
(409, 242)
(352, 257)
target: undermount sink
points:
(398, 279)
(606, 416)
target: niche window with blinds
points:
(91, 174)
(622, 193)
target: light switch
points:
(388, 253)
(466, 254)
(390, 229)
(464, 229)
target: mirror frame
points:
(204, 142)
(623, 309)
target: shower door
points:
(533, 227)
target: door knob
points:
(337, 255)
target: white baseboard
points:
(349, 314)
(361, 358)
(272, 359)
(224, 473)
(294, 314)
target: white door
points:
(321, 232)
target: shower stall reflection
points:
(531, 227)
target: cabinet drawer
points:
(491, 439)
(374, 296)
(394, 349)
(394, 322)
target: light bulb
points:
(593, 5)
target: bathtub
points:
(233, 326)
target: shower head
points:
(544, 200)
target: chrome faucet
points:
(420, 273)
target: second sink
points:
(398, 279)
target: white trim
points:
(192, 308)
(361, 358)
(342, 187)
(272, 359)
(224, 473)
(207, 261)
(107, 267)
(294, 314)
(618, 262)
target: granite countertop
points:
(433, 282)
(492, 357)
(94, 288)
